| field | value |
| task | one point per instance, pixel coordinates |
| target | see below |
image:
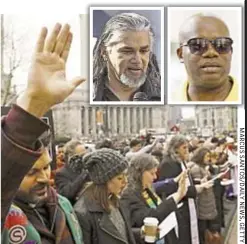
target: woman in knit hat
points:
(102, 218)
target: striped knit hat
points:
(104, 164)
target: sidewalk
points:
(230, 231)
(232, 236)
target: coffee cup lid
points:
(151, 220)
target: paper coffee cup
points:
(150, 229)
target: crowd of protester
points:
(103, 196)
(152, 170)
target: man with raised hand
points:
(31, 210)
(206, 51)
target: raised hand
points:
(182, 187)
(176, 179)
(47, 84)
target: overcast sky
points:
(27, 27)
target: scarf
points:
(48, 219)
(192, 207)
(192, 210)
(152, 200)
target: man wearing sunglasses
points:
(206, 51)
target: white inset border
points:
(175, 18)
(92, 43)
(241, 175)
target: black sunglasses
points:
(198, 46)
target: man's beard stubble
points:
(133, 83)
(31, 197)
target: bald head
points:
(197, 58)
(202, 26)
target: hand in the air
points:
(47, 84)
(182, 187)
(176, 179)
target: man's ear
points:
(180, 54)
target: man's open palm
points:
(47, 79)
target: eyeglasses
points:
(198, 46)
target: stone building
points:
(77, 118)
(219, 118)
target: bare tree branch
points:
(12, 55)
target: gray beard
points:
(131, 82)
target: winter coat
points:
(69, 183)
(206, 199)
(169, 168)
(27, 231)
(20, 149)
(139, 210)
(97, 226)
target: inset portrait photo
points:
(205, 55)
(126, 55)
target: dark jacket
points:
(219, 191)
(97, 226)
(139, 210)
(67, 228)
(170, 168)
(20, 149)
(206, 199)
(69, 184)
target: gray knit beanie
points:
(104, 164)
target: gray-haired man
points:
(123, 62)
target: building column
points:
(79, 122)
(109, 119)
(114, 120)
(150, 120)
(128, 124)
(141, 118)
(226, 116)
(147, 118)
(133, 120)
(144, 117)
(94, 126)
(85, 122)
(121, 119)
